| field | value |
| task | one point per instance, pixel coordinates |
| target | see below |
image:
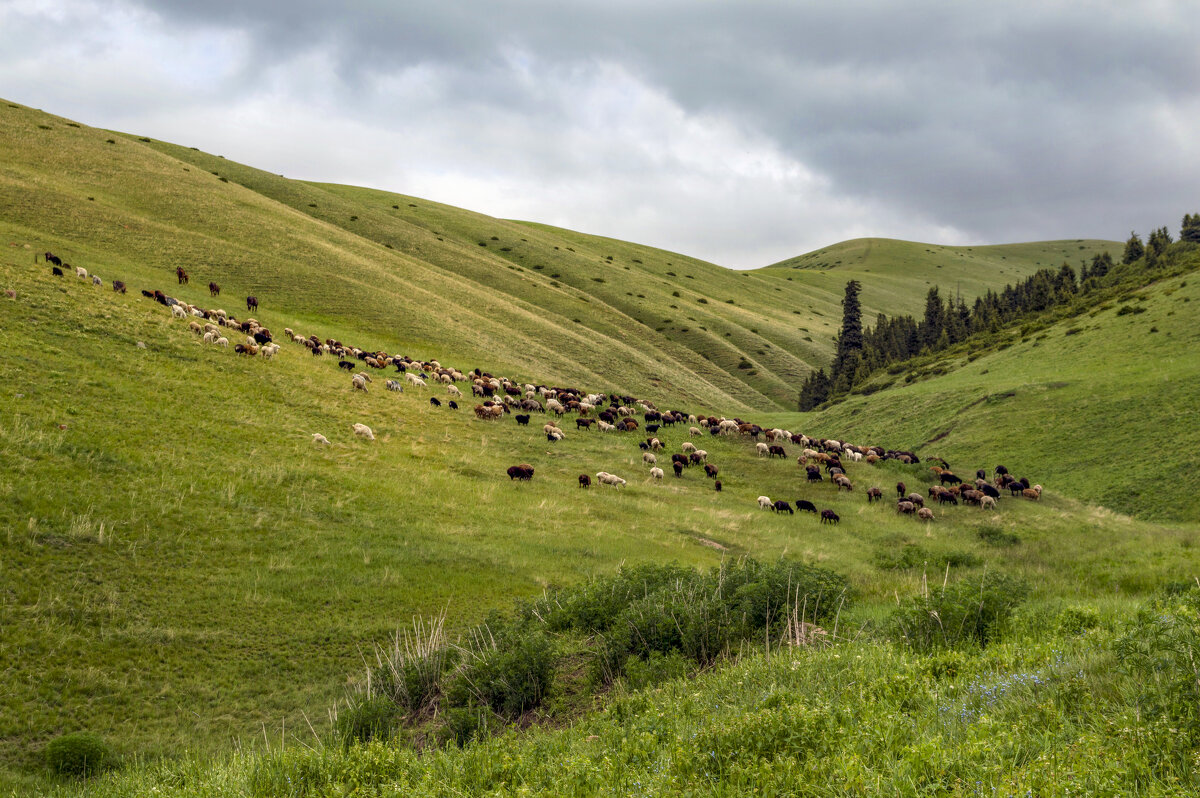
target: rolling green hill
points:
(182, 569)
(896, 275)
(399, 272)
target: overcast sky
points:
(742, 133)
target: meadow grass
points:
(182, 569)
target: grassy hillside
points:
(181, 565)
(403, 273)
(896, 275)
(1097, 404)
(182, 569)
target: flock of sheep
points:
(613, 414)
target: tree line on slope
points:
(861, 353)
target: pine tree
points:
(849, 340)
(1133, 249)
(930, 328)
(1190, 230)
(1101, 265)
(1158, 242)
(814, 391)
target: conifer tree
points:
(1133, 249)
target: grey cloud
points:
(986, 123)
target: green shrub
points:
(366, 718)
(410, 669)
(967, 612)
(511, 678)
(1161, 651)
(79, 754)
(1077, 620)
(995, 536)
(655, 669)
(464, 724)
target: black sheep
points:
(781, 506)
(523, 420)
(57, 272)
(434, 401)
(829, 516)
(453, 405)
(806, 506)
(678, 469)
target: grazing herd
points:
(500, 396)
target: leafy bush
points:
(995, 536)
(464, 724)
(510, 678)
(409, 671)
(654, 669)
(80, 754)
(1077, 620)
(366, 718)
(1161, 651)
(968, 612)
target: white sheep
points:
(393, 385)
(687, 446)
(363, 431)
(703, 455)
(656, 473)
(649, 458)
(452, 390)
(606, 427)
(81, 272)
(610, 479)
(764, 503)
(319, 438)
(179, 313)
(695, 431)
(655, 444)
(96, 280)
(987, 503)
(359, 382)
(209, 337)
(413, 379)
(762, 449)
(222, 341)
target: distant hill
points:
(896, 275)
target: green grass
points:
(1095, 406)
(184, 566)
(403, 272)
(182, 569)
